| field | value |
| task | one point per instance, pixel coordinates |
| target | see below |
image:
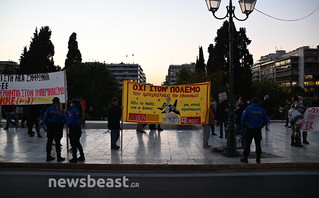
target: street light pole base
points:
(230, 152)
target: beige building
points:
(299, 67)
(174, 69)
(131, 72)
(8, 66)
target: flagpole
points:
(122, 135)
(66, 108)
(67, 129)
(122, 125)
(206, 135)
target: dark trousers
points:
(31, 120)
(212, 128)
(10, 117)
(115, 134)
(250, 135)
(55, 132)
(223, 124)
(75, 135)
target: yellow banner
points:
(178, 105)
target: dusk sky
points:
(158, 33)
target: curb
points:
(141, 167)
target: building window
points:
(309, 83)
(308, 77)
(285, 84)
(309, 89)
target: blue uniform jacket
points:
(74, 118)
(52, 116)
(254, 117)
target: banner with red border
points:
(311, 119)
(31, 89)
(177, 105)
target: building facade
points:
(131, 72)
(8, 66)
(174, 69)
(299, 67)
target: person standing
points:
(18, 114)
(240, 107)
(222, 117)
(83, 103)
(10, 115)
(301, 107)
(115, 113)
(74, 123)
(212, 109)
(33, 111)
(253, 120)
(287, 107)
(296, 119)
(207, 127)
(267, 106)
(294, 101)
(54, 118)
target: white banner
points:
(311, 120)
(30, 89)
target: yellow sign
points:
(178, 105)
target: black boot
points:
(258, 159)
(39, 135)
(298, 142)
(304, 137)
(49, 157)
(74, 159)
(244, 159)
(81, 158)
(59, 158)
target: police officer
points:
(55, 119)
(75, 120)
(253, 120)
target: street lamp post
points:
(247, 6)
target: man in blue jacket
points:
(114, 117)
(253, 120)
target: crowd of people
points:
(250, 118)
(52, 118)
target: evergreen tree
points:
(74, 54)
(184, 76)
(39, 57)
(219, 59)
(218, 54)
(97, 88)
(200, 63)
